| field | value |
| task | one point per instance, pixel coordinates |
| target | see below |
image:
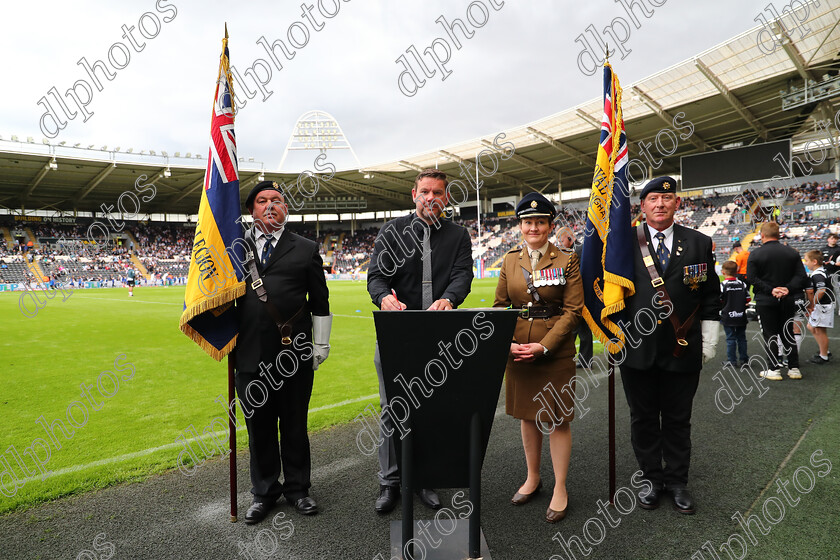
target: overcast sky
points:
(521, 65)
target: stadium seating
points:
(164, 249)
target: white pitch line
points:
(342, 403)
(127, 299)
(144, 452)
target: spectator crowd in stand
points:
(164, 249)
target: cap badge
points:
(533, 204)
(666, 185)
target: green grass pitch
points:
(133, 434)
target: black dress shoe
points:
(650, 500)
(306, 506)
(387, 500)
(683, 502)
(429, 498)
(258, 511)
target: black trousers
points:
(660, 422)
(777, 329)
(285, 409)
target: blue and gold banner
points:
(607, 256)
(216, 274)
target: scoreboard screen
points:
(738, 165)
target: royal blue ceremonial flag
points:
(607, 257)
(216, 273)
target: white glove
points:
(321, 327)
(711, 332)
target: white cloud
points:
(518, 67)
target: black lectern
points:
(443, 372)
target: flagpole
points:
(611, 421)
(232, 431)
(610, 383)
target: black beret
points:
(660, 185)
(258, 188)
(535, 204)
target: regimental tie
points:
(662, 252)
(266, 252)
(427, 269)
(535, 260)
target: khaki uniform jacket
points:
(525, 382)
(555, 333)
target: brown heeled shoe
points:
(522, 499)
(553, 516)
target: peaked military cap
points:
(534, 204)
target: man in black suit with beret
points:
(672, 330)
(284, 334)
(419, 261)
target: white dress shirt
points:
(669, 237)
(261, 237)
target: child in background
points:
(821, 305)
(733, 317)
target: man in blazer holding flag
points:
(672, 331)
(284, 329)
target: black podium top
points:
(440, 368)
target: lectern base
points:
(454, 546)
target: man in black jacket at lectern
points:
(419, 261)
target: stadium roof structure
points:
(731, 94)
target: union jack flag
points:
(607, 257)
(216, 273)
(222, 137)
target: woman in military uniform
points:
(545, 282)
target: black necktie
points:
(427, 293)
(662, 252)
(266, 252)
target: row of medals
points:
(694, 274)
(549, 277)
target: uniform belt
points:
(529, 311)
